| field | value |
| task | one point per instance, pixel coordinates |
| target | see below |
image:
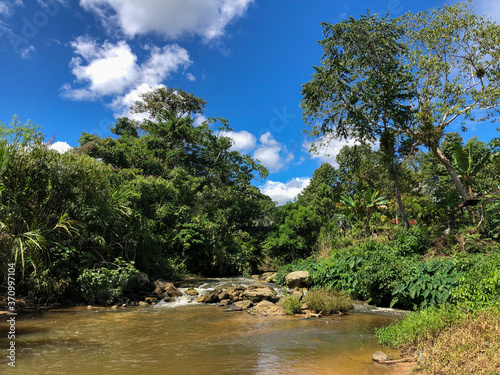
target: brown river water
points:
(191, 339)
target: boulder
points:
(150, 299)
(380, 357)
(200, 299)
(267, 308)
(224, 302)
(260, 293)
(243, 304)
(166, 289)
(211, 296)
(143, 304)
(235, 292)
(191, 292)
(223, 295)
(297, 279)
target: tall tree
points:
(414, 76)
(455, 56)
(362, 90)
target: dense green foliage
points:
(165, 196)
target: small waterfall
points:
(208, 285)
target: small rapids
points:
(206, 285)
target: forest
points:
(408, 218)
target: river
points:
(192, 339)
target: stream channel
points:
(186, 338)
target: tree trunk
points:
(451, 171)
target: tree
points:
(362, 90)
(455, 56)
(155, 102)
(414, 76)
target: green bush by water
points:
(418, 327)
(291, 304)
(328, 301)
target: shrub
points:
(491, 225)
(106, 285)
(413, 241)
(291, 304)
(430, 284)
(328, 301)
(479, 285)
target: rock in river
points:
(256, 293)
(166, 289)
(297, 279)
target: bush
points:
(291, 304)
(328, 301)
(479, 285)
(413, 241)
(106, 285)
(430, 284)
(491, 225)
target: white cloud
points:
(285, 192)
(272, 154)
(190, 77)
(242, 141)
(122, 103)
(199, 119)
(328, 149)
(60, 147)
(113, 69)
(171, 19)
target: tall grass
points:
(418, 328)
(328, 301)
(471, 347)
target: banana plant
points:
(466, 166)
(363, 204)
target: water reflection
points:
(189, 340)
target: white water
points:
(209, 285)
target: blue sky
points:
(76, 65)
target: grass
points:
(328, 301)
(291, 304)
(470, 347)
(418, 328)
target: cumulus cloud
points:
(242, 141)
(283, 192)
(122, 103)
(171, 19)
(60, 147)
(113, 70)
(328, 149)
(272, 154)
(190, 77)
